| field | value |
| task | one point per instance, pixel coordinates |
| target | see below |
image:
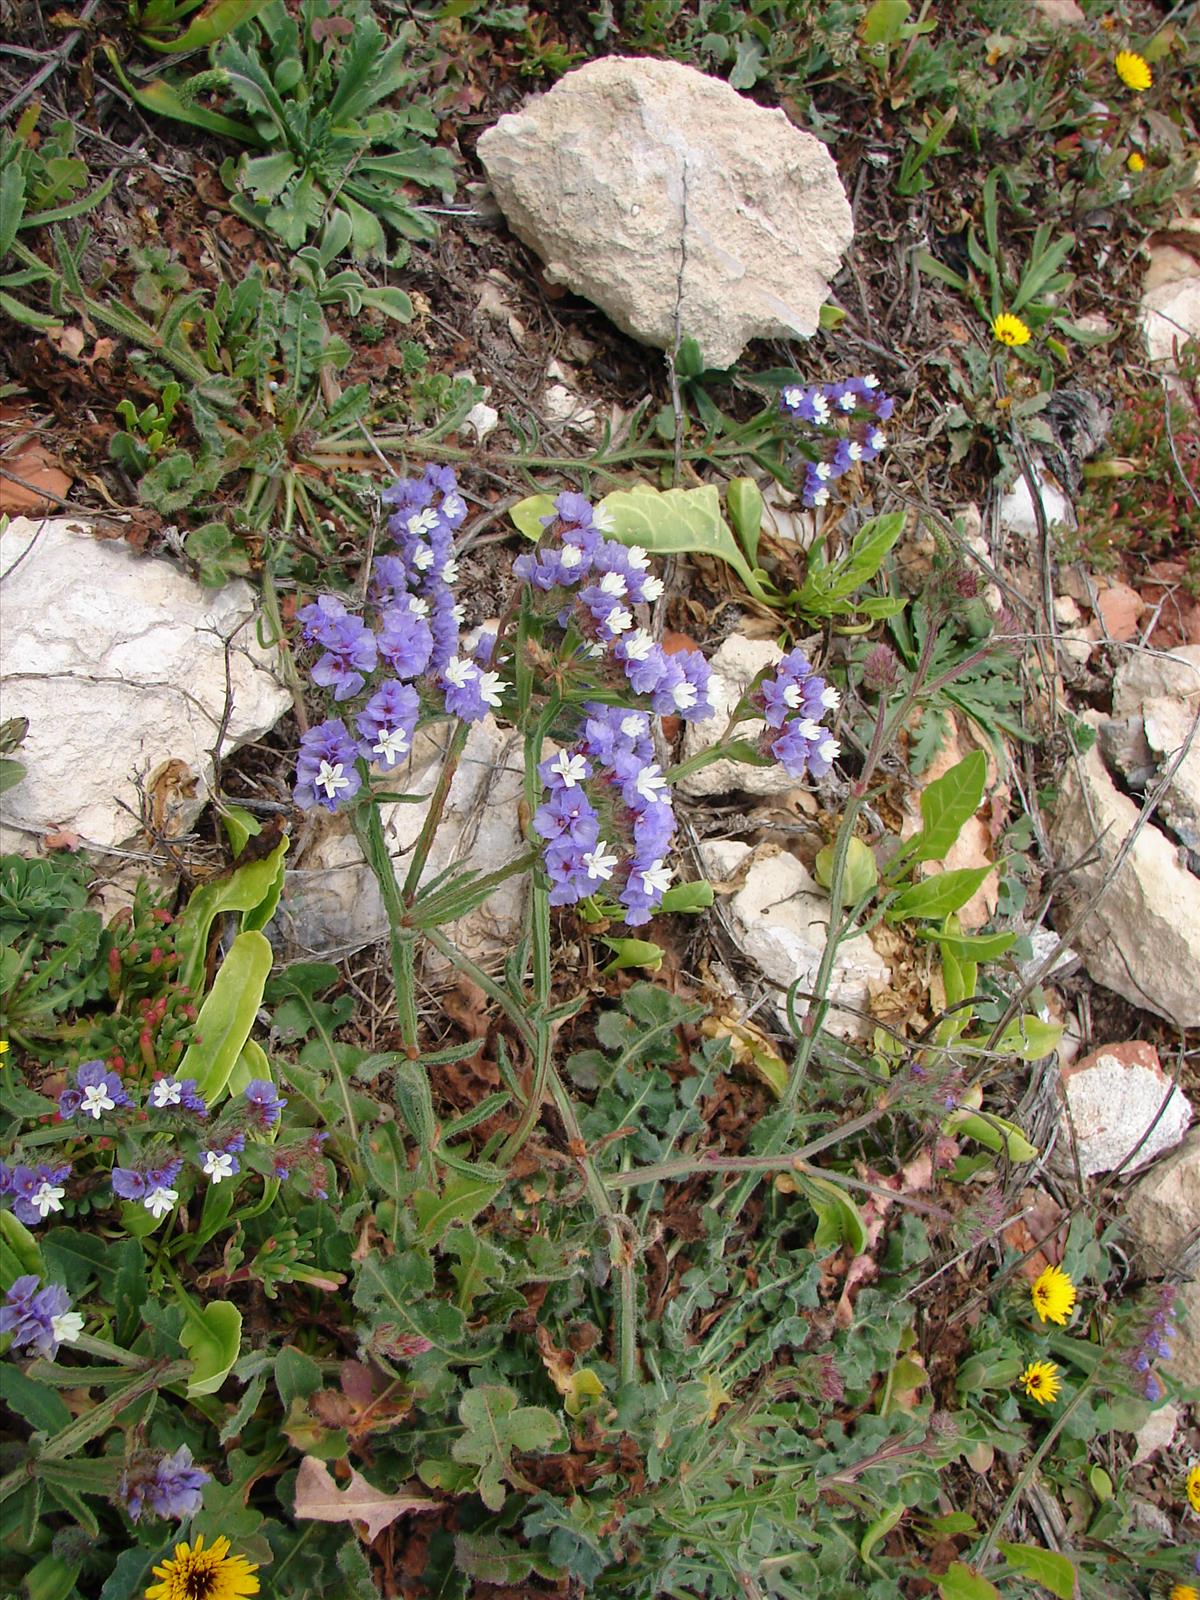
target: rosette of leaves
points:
(316, 90)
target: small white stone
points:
(481, 420)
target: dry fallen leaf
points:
(320, 1500)
(42, 480)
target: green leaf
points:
(838, 1218)
(53, 1578)
(1029, 1037)
(947, 804)
(496, 1428)
(744, 502)
(971, 947)
(212, 1336)
(296, 1375)
(43, 1408)
(240, 827)
(861, 874)
(217, 19)
(883, 22)
(461, 1200)
(964, 1583)
(227, 1015)
(937, 896)
(254, 883)
(628, 953)
(20, 1252)
(11, 773)
(1053, 1571)
(677, 521)
(687, 899)
(527, 514)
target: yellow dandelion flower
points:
(1136, 163)
(1009, 330)
(1133, 71)
(1184, 1591)
(1041, 1382)
(200, 1574)
(1193, 1487)
(1053, 1296)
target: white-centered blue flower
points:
(603, 519)
(599, 865)
(614, 583)
(449, 572)
(637, 558)
(638, 646)
(166, 1092)
(391, 745)
(830, 698)
(47, 1197)
(454, 507)
(66, 1327)
(422, 558)
(652, 589)
(460, 672)
(829, 750)
(161, 1200)
(650, 782)
(809, 729)
(491, 688)
(422, 522)
(684, 695)
(656, 877)
(571, 769)
(618, 620)
(332, 778)
(96, 1101)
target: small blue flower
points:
(264, 1103)
(326, 773)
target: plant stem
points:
(369, 832)
(433, 815)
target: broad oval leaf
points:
(937, 896)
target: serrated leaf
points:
(319, 1499)
(496, 1428)
(461, 1200)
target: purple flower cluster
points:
(416, 638)
(36, 1192)
(1155, 1344)
(152, 1184)
(39, 1319)
(618, 575)
(858, 402)
(303, 1161)
(264, 1104)
(794, 700)
(96, 1091)
(581, 855)
(166, 1485)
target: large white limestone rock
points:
(119, 663)
(780, 921)
(1143, 940)
(673, 203)
(331, 903)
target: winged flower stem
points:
(368, 829)
(887, 728)
(433, 816)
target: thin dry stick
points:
(58, 59)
